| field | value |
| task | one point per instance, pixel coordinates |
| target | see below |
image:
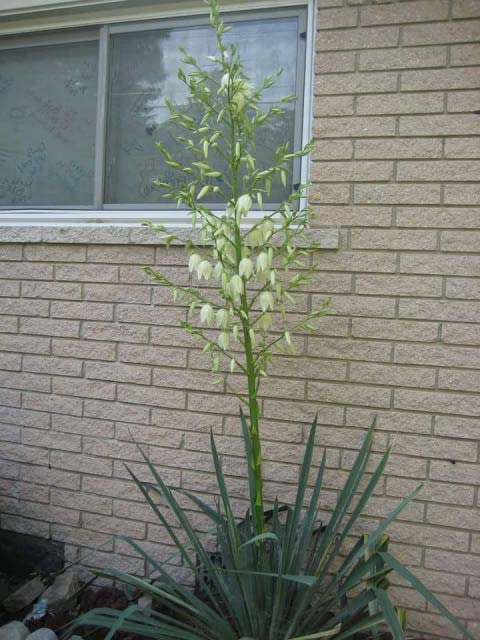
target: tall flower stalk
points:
(253, 263)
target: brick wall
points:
(91, 352)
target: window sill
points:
(327, 238)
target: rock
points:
(42, 634)
(63, 588)
(23, 596)
(14, 631)
(145, 601)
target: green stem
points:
(256, 446)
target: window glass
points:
(47, 125)
(143, 73)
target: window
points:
(80, 113)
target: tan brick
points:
(13, 488)
(8, 324)
(115, 411)
(87, 464)
(440, 264)
(398, 148)
(118, 372)
(82, 310)
(464, 54)
(10, 433)
(168, 336)
(432, 491)
(349, 393)
(349, 349)
(344, 39)
(465, 9)
(474, 588)
(303, 411)
(84, 349)
(397, 193)
(114, 331)
(337, 18)
(436, 355)
(456, 427)
(51, 440)
(11, 252)
(468, 334)
(357, 127)
(453, 471)
(399, 285)
(327, 193)
(133, 254)
(111, 448)
(117, 293)
(147, 314)
(53, 403)
(39, 511)
(439, 79)
(400, 103)
(439, 309)
(50, 364)
(461, 241)
(155, 435)
(25, 381)
(463, 101)
(463, 288)
(44, 475)
(48, 327)
(134, 566)
(52, 290)
(21, 307)
(408, 58)
(446, 33)
(459, 380)
(24, 418)
(436, 171)
(153, 355)
(355, 83)
(328, 149)
(462, 147)
(439, 125)
(212, 403)
(10, 397)
(24, 525)
(392, 375)
(10, 470)
(83, 426)
(189, 421)
(55, 253)
(457, 517)
(351, 171)
(355, 261)
(26, 271)
(309, 368)
(84, 388)
(335, 62)
(10, 361)
(423, 535)
(434, 217)
(437, 402)
(415, 11)
(462, 194)
(86, 273)
(452, 561)
(355, 216)
(393, 239)
(82, 537)
(9, 288)
(111, 487)
(168, 398)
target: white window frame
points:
(125, 215)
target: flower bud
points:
(266, 300)
(194, 261)
(204, 270)
(243, 205)
(224, 82)
(262, 263)
(236, 286)
(223, 340)
(245, 268)
(207, 314)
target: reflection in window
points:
(47, 125)
(144, 72)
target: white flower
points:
(266, 300)
(218, 270)
(243, 205)
(245, 268)
(230, 210)
(224, 82)
(223, 340)
(264, 322)
(207, 314)
(262, 263)
(222, 318)
(267, 230)
(204, 270)
(236, 286)
(194, 261)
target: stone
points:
(14, 631)
(42, 634)
(24, 596)
(63, 588)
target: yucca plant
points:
(289, 583)
(289, 577)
